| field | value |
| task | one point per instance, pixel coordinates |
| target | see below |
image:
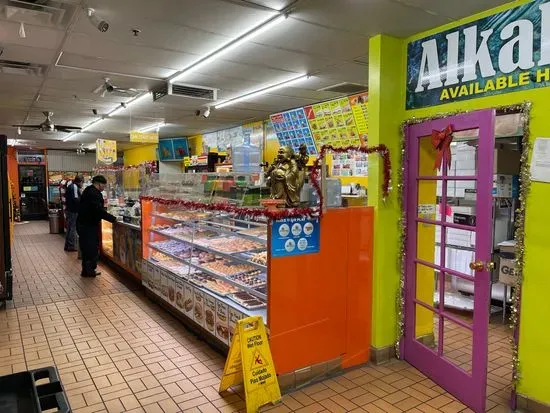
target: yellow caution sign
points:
(249, 360)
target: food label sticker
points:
(222, 322)
(426, 209)
(210, 313)
(189, 300)
(198, 312)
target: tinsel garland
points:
(525, 182)
(256, 212)
(280, 213)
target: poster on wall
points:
(181, 148)
(166, 150)
(105, 152)
(502, 53)
(255, 133)
(360, 108)
(293, 130)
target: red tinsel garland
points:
(280, 213)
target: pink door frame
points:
(468, 388)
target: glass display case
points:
(121, 241)
(211, 265)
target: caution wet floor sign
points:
(250, 361)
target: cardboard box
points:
(506, 162)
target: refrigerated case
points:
(5, 229)
(33, 192)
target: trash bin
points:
(55, 218)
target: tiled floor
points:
(116, 351)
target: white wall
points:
(71, 162)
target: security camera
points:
(198, 112)
(94, 111)
(102, 25)
(206, 113)
(109, 88)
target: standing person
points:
(72, 201)
(91, 212)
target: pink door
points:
(449, 245)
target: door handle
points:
(479, 266)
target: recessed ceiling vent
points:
(36, 12)
(174, 93)
(345, 88)
(12, 67)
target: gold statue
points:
(287, 175)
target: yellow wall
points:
(195, 145)
(140, 154)
(388, 55)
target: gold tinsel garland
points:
(525, 182)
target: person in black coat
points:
(72, 201)
(90, 214)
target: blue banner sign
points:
(502, 53)
(294, 236)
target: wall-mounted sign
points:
(293, 130)
(140, 137)
(502, 53)
(295, 236)
(105, 152)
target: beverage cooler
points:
(33, 190)
(5, 241)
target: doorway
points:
(460, 213)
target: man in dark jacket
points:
(90, 214)
(72, 202)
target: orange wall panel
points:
(320, 304)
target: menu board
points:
(359, 106)
(292, 130)
(295, 236)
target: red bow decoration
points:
(441, 141)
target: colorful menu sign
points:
(359, 106)
(502, 53)
(293, 130)
(105, 152)
(341, 122)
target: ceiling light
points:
(260, 92)
(12, 142)
(19, 130)
(206, 113)
(134, 101)
(150, 128)
(69, 136)
(92, 147)
(231, 45)
(22, 33)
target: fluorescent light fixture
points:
(262, 91)
(69, 136)
(126, 105)
(150, 128)
(91, 147)
(12, 142)
(231, 45)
